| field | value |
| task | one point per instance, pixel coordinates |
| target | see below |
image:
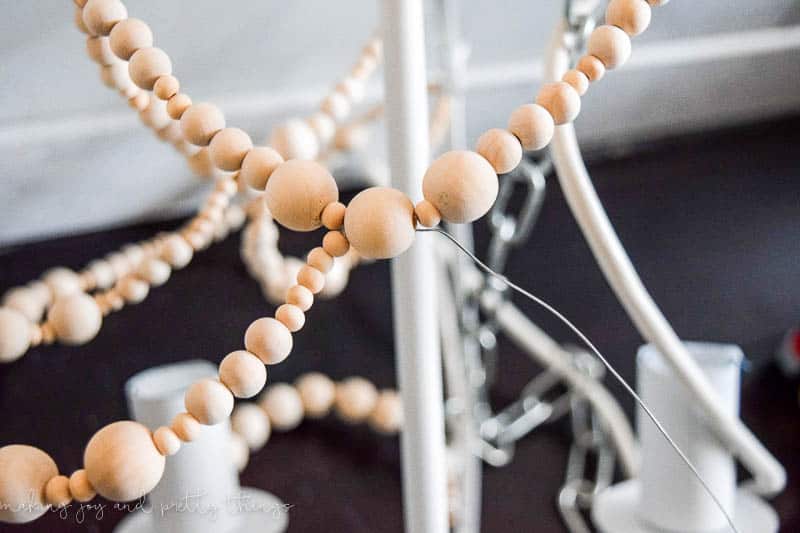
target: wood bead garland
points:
(100, 16)
(76, 319)
(379, 222)
(122, 462)
(561, 101)
(15, 334)
(128, 36)
(229, 147)
(200, 122)
(147, 65)
(252, 423)
(283, 406)
(501, 149)
(269, 340)
(209, 401)
(24, 473)
(317, 393)
(300, 296)
(298, 191)
(291, 316)
(461, 184)
(243, 373)
(258, 165)
(355, 399)
(533, 125)
(632, 16)
(610, 45)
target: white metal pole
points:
(419, 364)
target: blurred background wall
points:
(73, 157)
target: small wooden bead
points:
(427, 214)
(269, 340)
(229, 147)
(115, 76)
(320, 259)
(387, 416)
(593, 68)
(295, 139)
(200, 163)
(560, 100)
(56, 492)
(99, 50)
(133, 290)
(610, 45)
(532, 125)
(177, 105)
(352, 89)
(317, 392)
(379, 222)
(323, 126)
(298, 191)
(80, 488)
(155, 114)
(128, 36)
(258, 165)
(252, 424)
(501, 149)
(209, 401)
(300, 296)
(283, 406)
(243, 373)
(147, 65)
(76, 319)
(333, 215)
(122, 462)
(166, 441)
(166, 87)
(186, 427)
(335, 243)
(62, 281)
(24, 473)
(291, 316)
(311, 278)
(201, 122)
(154, 271)
(102, 272)
(100, 16)
(170, 133)
(139, 101)
(355, 399)
(176, 251)
(336, 105)
(461, 184)
(577, 80)
(633, 16)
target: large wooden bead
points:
(147, 65)
(76, 319)
(560, 100)
(201, 122)
(128, 36)
(283, 406)
(24, 473)
(300, 296)
(533, 125)
(258, 165)
(100, 16)
(355, 399)
(122, 461)
(80, 488)
(24, 300)
(387, 416)
(176, 251)
(291, 316)
(269, 340)
(610, 45)
(229, 147)
(461, 184)
(209, 401)
(379, 222)
(298, 191)
(252, 423)
(62, 281)
(501, 149)
(633, 16)
(243, 373)
(317, 393)
(15, 334)
(295, 139)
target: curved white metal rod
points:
(769, 475)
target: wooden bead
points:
(62, 281)
(166, 87)
(176, 251)
(209, 401)
(633, 16)
(240, 455)
(24, 300)
(269, 340)
(56, 492)
(258, 165)
(311, 278)
(387, 416)
(147, 65)
(243, 373)
(200, 163)
(291, 316)
(102, 273)
(336, 105)
(298, 191)
(115, 76)
(320, 259)
(100, 16)
(140, 100)
(317, 392)
(186, 427)
(133, 290)
(80, 488)
(166, 441)
(333, 215)
(122, 462)
(355, 399)
(352, 88)
(24, 473)
(335, 243)
(577, 80)
(283, 406)
(177, 105)
(128, 36)
(379, 223)
(201, 122)
(610, 45)
(593, 68)
(501, 149)
(295, 139)
(229, 147)
(427, 214)
(461, 184)
(76, 319)
(154, 271)
(99, 50)
(252, 424)
(532, 125)
(300, 296)
(560, 100)
(77, 17)
(155, 114)
(323, 126)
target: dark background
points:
(711, 221)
